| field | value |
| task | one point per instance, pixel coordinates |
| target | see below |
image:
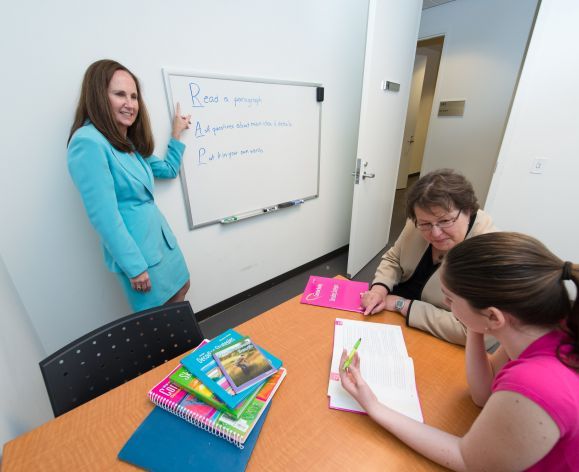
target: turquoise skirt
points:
(167, 278)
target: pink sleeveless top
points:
(538, 375)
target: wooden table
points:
(300, 432)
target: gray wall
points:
(543, 124)
(24, 403)
(483, 48)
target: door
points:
(390, 50)
(411, 118)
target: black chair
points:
(117, 353)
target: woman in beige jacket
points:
(442, 211)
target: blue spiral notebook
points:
(165, 443)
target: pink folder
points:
(341, 294)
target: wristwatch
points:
(399, 304)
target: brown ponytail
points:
(570, 271)
(518, 274)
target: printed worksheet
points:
(384, 364)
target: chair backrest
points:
(117, 353)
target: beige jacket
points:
(430, 313)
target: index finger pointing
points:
(178, 109)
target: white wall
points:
(483, 47)
(51, 252)
(543, 124)
(23, 400)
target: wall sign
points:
(451, 108)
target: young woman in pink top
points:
(511, 286)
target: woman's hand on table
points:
(378, 299)
(354, 384)
(374, 301)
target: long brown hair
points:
(442, 188)
(518, 274)
(94, 106)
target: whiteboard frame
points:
(168, 71)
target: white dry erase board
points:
(253, 143)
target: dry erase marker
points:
(290, 204)
(229, 219)
(351, 356)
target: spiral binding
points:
(197, 420)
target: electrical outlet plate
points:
(539, 164)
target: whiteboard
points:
(253, 143)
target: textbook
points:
(385, 366)
(334, 293)
(186, 381)
(187, 406)
(202, 365)
(165, 443)
(243, 364)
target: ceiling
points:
(433, 3)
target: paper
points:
(384, 364)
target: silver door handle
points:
(360, 172)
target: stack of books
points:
(224, 387)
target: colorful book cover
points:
(243, 364)
(251, 415)
(187, 406)
(334, 293)
(202, 365)
(186, 381)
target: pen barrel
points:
(348, 360)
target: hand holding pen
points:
(352, 353)
(354, 384)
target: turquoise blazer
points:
(117, 193)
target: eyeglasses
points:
(446, 223)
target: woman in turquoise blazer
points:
(111, 163)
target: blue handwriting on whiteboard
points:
(197, 99)
(203, 130)
(195, 89)
(249, 102)
(218, 129)
(201, 157)
(205, 157)
(199, 130)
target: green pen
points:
(351, 356)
